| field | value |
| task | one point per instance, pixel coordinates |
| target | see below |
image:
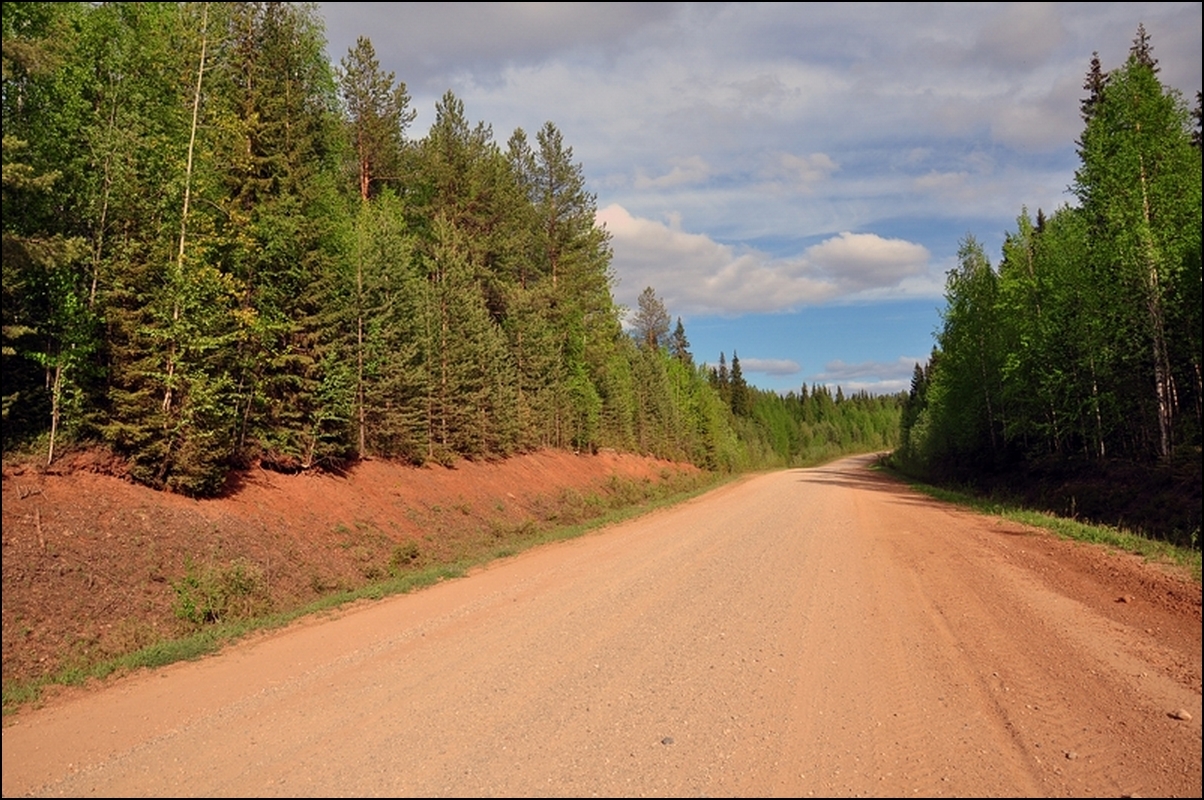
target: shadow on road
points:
(857, 473)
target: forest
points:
(1079, 353)
(223, 249)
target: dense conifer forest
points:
(222, 249)
(1079, 354)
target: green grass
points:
(1127, 541)
(627, 499)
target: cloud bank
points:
(694, 274)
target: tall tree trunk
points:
(56, 392)
(196, 106)
(1162, 371)
(98, 244)
(359, 337)
(1099, 422)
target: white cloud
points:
(770, 366)
(1020, 35)
(802, 173)
(875, 377)
(693, 273)
(901, 367)
(857, 261)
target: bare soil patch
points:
(93, 564)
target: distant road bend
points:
(821, 631)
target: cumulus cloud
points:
(857, 261)
(695, 274)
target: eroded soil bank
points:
(95, 566)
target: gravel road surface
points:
(821, 631)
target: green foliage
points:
(650, 323)
(220, 593)
(378, 113)
(1085, 343)
(1139, 185)
(219, 250)
(49, 330)
(394, 302)
(967, 384)
(403, 557)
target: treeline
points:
(220, 249)
(805, 427)
(1084, 343)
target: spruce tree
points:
(378, 114)
(740, 400)
(679, 345)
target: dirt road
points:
(806, 632)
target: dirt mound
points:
(94, 565)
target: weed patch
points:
(404, 556)
(212, 594)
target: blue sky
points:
(793, 179)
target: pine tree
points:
(392, 302)
(576, 261)
(559, 313)
(470, 406)
(378, 112)
(650, 324)
(1142, 51)
(464, 205)
(277, 148)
